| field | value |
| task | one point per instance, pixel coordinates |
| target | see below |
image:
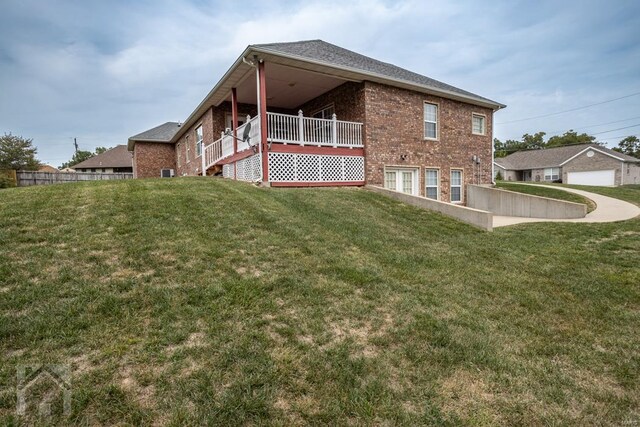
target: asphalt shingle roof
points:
(327, 52)
(162, 133)
(117, 157)
(551, 157)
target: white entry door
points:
(401, 179)
(604, 178)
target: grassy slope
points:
(191, 301)
(551, 193)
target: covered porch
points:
(296, 136)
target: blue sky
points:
(102, 71)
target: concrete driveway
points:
(607, 209)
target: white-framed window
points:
(401, 179)
(552, 174)
(478, 124)
(325, 112)
(430, 121)
(179, 156)
(456, 186)
(431, 183)
(199, 141)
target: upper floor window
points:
(478, 126)
(199, 141)
(552, 174)
(430, 121)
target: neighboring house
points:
(114, 160)
(47, 168)
(154, 151)
(322, 115)
(583, 164)
(67, 170)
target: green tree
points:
(571, 137)
(100, 150)
(78, 156)
(629, 146)
(533, 142)
(17, 152)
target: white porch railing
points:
(288, 129)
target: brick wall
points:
(347, 99)
(394, 126)
(150, 157)
(598, 161)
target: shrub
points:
(499, 176)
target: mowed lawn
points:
(197, 301)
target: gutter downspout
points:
(493, 149)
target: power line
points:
(593, 126)
(570, 110)
(612, 130)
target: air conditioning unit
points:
(167, 173)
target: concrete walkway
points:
(607, 209)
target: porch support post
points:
(234, 124)
(262, 110)
(334, 129)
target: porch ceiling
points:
(287, 87)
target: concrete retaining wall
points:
(509, 203)
(479, 218)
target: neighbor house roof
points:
(117, 157)
(47, 168)
(554, 157)
(163, 133)
(325, 58)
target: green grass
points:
(200, 301)
(549, 192)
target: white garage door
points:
(606, 178)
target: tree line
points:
(629, 145)
(19, 153)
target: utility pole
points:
(75, 143)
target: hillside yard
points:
(202, 301)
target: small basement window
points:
(431, 184)
(456, 186)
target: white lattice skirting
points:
(249, 169)
(227, 170)
(289, 167)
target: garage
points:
(603, 178)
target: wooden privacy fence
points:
(26, 178)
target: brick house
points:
(582, 164)
(115, 160)
(315, 114)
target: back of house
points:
(310, 113)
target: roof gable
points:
(320, 50)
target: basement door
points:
(404, 180)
